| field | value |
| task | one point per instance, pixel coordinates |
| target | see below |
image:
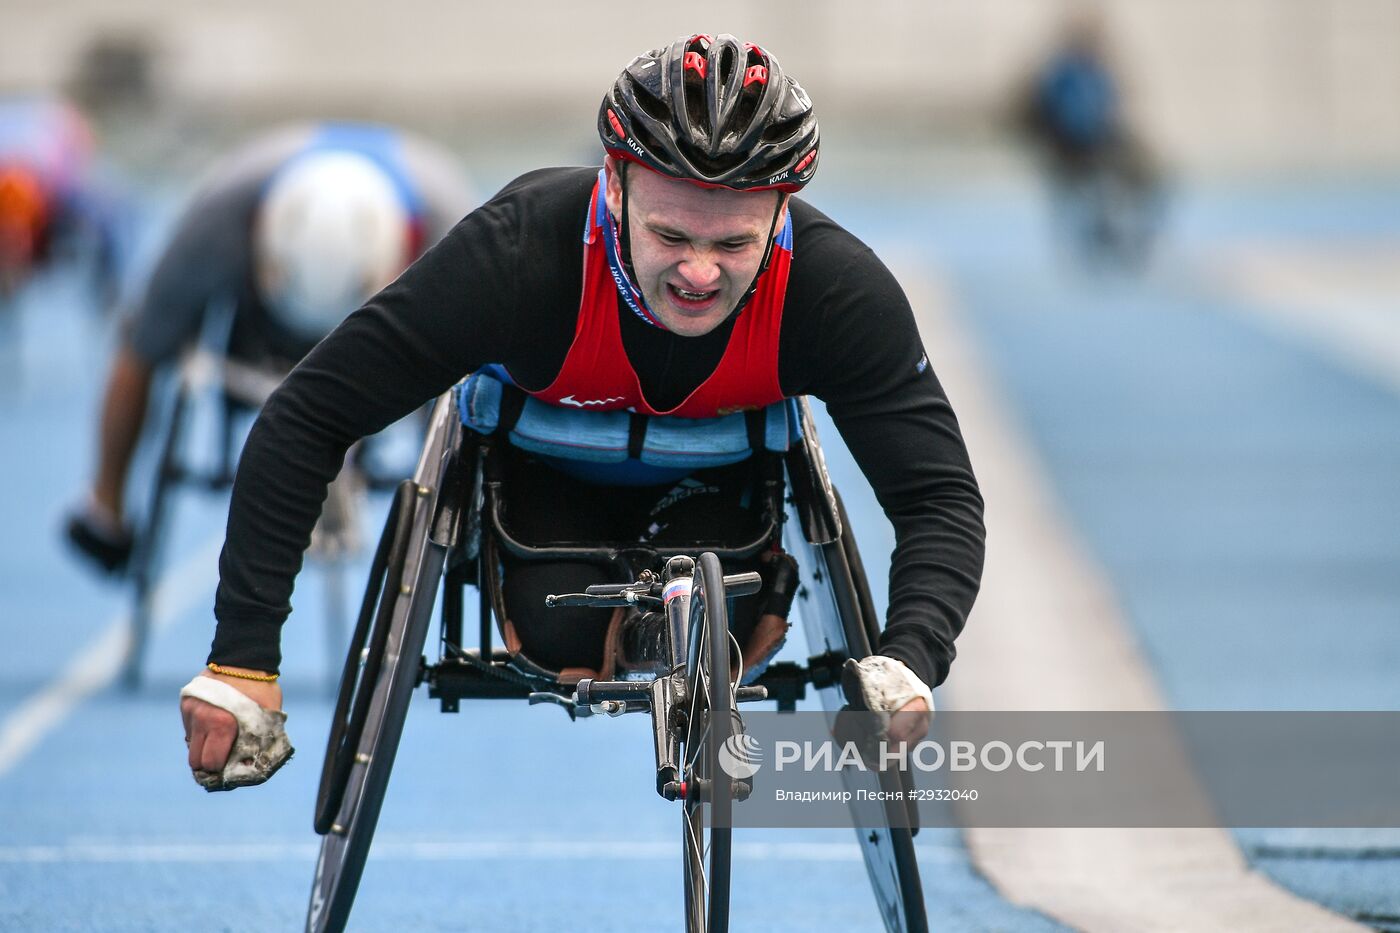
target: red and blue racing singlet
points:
(597, 376)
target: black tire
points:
(860, 584)
(709, 793)
(146, 557)
(372, 706)
(363, 660)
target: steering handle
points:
(645, 593)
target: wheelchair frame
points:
(446, 529)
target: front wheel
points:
(710, 728)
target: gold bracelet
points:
(259, 678)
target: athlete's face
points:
(694, 250)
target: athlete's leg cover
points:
(780, 583)
(261, 747)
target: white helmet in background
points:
(331, 231)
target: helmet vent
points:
(726, 63)
(746, 106)
(714, 166)
(697, 109)
(778, 132)
(650, 104)
(653, 146)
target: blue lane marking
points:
(48, 372)
(1239, 489)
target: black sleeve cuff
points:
(250, 643)
(930, 669)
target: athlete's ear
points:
(613, 193)
(782, 213)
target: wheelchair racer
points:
(681, 281)
(293, 232)
(1106, 190)
(55, 203)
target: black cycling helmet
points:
(715, 111)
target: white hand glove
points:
(262, 745)
(882, 685)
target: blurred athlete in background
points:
(1107, 194)
(289, 234)
(53, 204)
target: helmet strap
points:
(624, 231)
(615, 243)
(767, 257)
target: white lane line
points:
(1048, 634)
(410, 850)
(93, 670)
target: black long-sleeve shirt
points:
(504, 287)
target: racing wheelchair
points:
(445, 531)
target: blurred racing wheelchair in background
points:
(220, 394)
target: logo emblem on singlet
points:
(570, 400)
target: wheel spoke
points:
(703, 851)
(693, 752)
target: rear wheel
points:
(381, 671)
(710, 724)
(363, 661)
(890, 859)
(837, 611)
